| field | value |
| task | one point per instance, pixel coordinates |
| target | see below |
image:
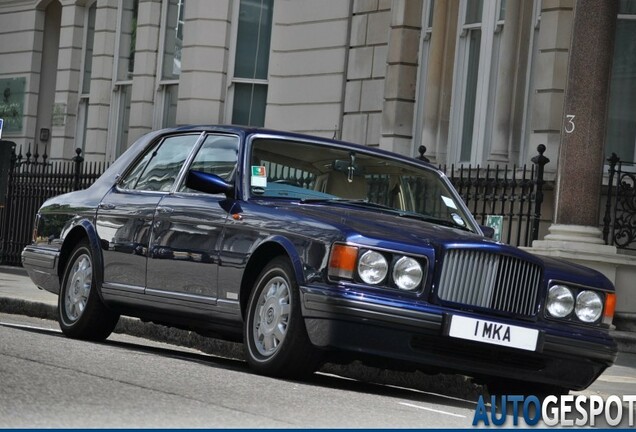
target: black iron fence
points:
(31, 181)
(507, 198)
(619, 221)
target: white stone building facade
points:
(475, 81)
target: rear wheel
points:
(81, 313)
(275, 334)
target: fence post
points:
(78, 159)
(7, 208)
(421, 150)
(612, 160)
(540, 161)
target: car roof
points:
(245, 131)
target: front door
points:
(183, 259)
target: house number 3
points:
(569, 125)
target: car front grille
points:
(487, 280)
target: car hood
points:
(379, 225)
(383, 229)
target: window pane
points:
(170, 105)
(431, 8)
(472, 72)
(127, 39)
(252, 44)
(124, 119)
(249, 104)
(473, 11)
(88, 51)
(165, 163)
(627, 7)
(621, 125)
(173, 40)
(502, 10)
(218, 155)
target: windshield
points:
(314, 173)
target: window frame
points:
(422, 74)
(83, 99)
(118, 124)
(163, 85)
(487, 26)
(624, 17)
(232, 79)
(151, 147)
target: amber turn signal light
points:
(342, 262)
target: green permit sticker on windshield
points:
(259, 176)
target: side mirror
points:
(488, 231)
(208, 183)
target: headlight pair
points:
(586, 304)
(373, 267)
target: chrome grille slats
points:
(489, 280)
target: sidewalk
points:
(18, 295)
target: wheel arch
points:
(264, 253)
(83, 229)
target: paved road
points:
(48, 380)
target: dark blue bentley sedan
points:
(309, 250)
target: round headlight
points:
(560, 301)
(407, 273)
(589, 306)
(372, 267)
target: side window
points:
(218, 155)
(159, 168)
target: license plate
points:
(493, 333)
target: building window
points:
(479, 26)
(621, 124)
(251, 62)
(87, 69)
(124, 67)
(170, 66)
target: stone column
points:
(203, 79)
(62, 143)
(143, 86)
(584, 126)
(101, 81)
(401, 76)
(575, 233)
(434, 78)
(505, 83)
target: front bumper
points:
(420, 338)
(41, 266)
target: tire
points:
(276, 339)
(81, 313)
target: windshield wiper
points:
(432, 219)
(355, 202)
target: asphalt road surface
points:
(47, 380)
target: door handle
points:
(165, 210)
(106, 206)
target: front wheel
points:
(81, 313)
(275, 335)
